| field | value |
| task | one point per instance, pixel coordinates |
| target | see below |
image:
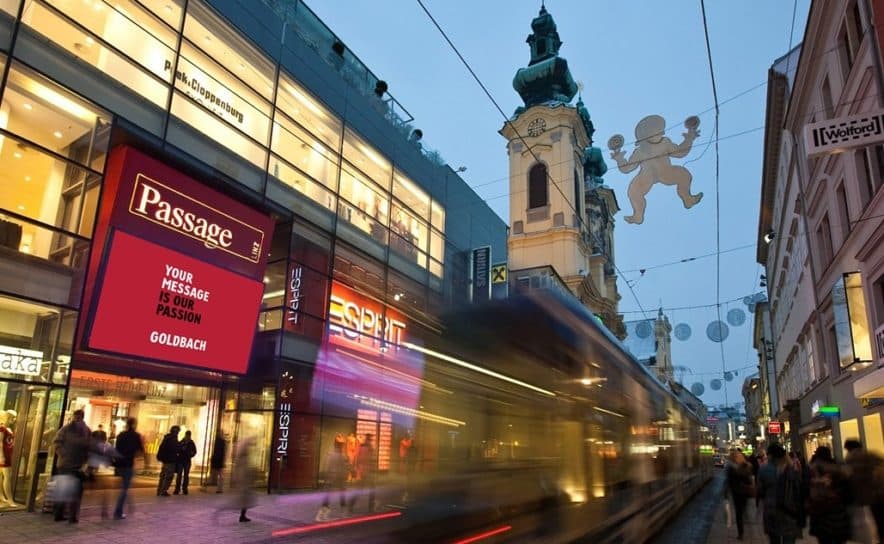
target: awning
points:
(870, 386)
(815, 426)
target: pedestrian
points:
(365, 471)
(828, 496)
(740, 486)
(167, 454)
(72, 446)
(101, 454)
(242, 478)
(336, 471)
(186, 453)
(866, 475)
(216, 463)
(779, 486)
(129, 445)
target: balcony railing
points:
(310, 28)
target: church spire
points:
(547, 77)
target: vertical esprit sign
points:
(481, 274)
(282, 429)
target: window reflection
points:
(214, 89)
(308, 112)
(411, 195)
(306, 153)
(169, 11)
(367, 159)
(94, 52)
(28, 335)
(366, 207)
(224, 45)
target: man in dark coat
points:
(72, 444)
(186, 452)
(128, 445)
(168, 456)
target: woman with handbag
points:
(740, 486)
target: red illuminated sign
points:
(158, 203)
(356, 318)
(161, 304)
(773, 427)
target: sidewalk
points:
(753, 528)
(193, 518)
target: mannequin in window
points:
(352, 451)
(407, 459)
(7, 423)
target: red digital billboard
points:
(161, 304)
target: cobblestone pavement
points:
(191, 519)
(753, 529)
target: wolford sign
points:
(837, 135)
(355, 318)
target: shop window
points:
(409, 227)
(210, 125)
(308, 112)
(849, 430)
(169, 11)
(10, 6)
(366, 208)
(438, 217)
(274, 285)
(220, 42)
(437, 248)
(411, 195)
(32, 336)
(874, 440)
(852, 334)
(128, 27)
(303, 151)
(538, 190)
(212, 87)
(287, 187)
(356, 268)
(367, 159)
(93, 50)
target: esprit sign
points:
(836, 135)
(294, 293)
(24, 362)
(176, 211)
(282, 429)
(359, 319)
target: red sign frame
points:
(162, 305)
(774, 427)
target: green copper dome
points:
(547, 77)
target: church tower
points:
(561, 214)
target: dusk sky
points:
(634, 59)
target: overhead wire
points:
(717, 194)
(689, 259)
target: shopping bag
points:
(728, 513)
(62, 488)
(863, 529)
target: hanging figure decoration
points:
(652, 157)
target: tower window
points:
(541, 47)
(538, 193)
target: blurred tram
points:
(534, 424)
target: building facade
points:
(820, 231)
(561, 214)
(206, 208)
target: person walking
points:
(216, 464)
(243, 477)
(828, 497)
(129, 445)
(779, 486)
(365, 471)
(866, 475)
(167, 454)
(740, 486)
(72, 446)
(186, 453)
(336, 470)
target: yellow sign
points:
(498, 273)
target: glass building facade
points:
(269, 111)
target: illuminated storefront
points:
(251, 200)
